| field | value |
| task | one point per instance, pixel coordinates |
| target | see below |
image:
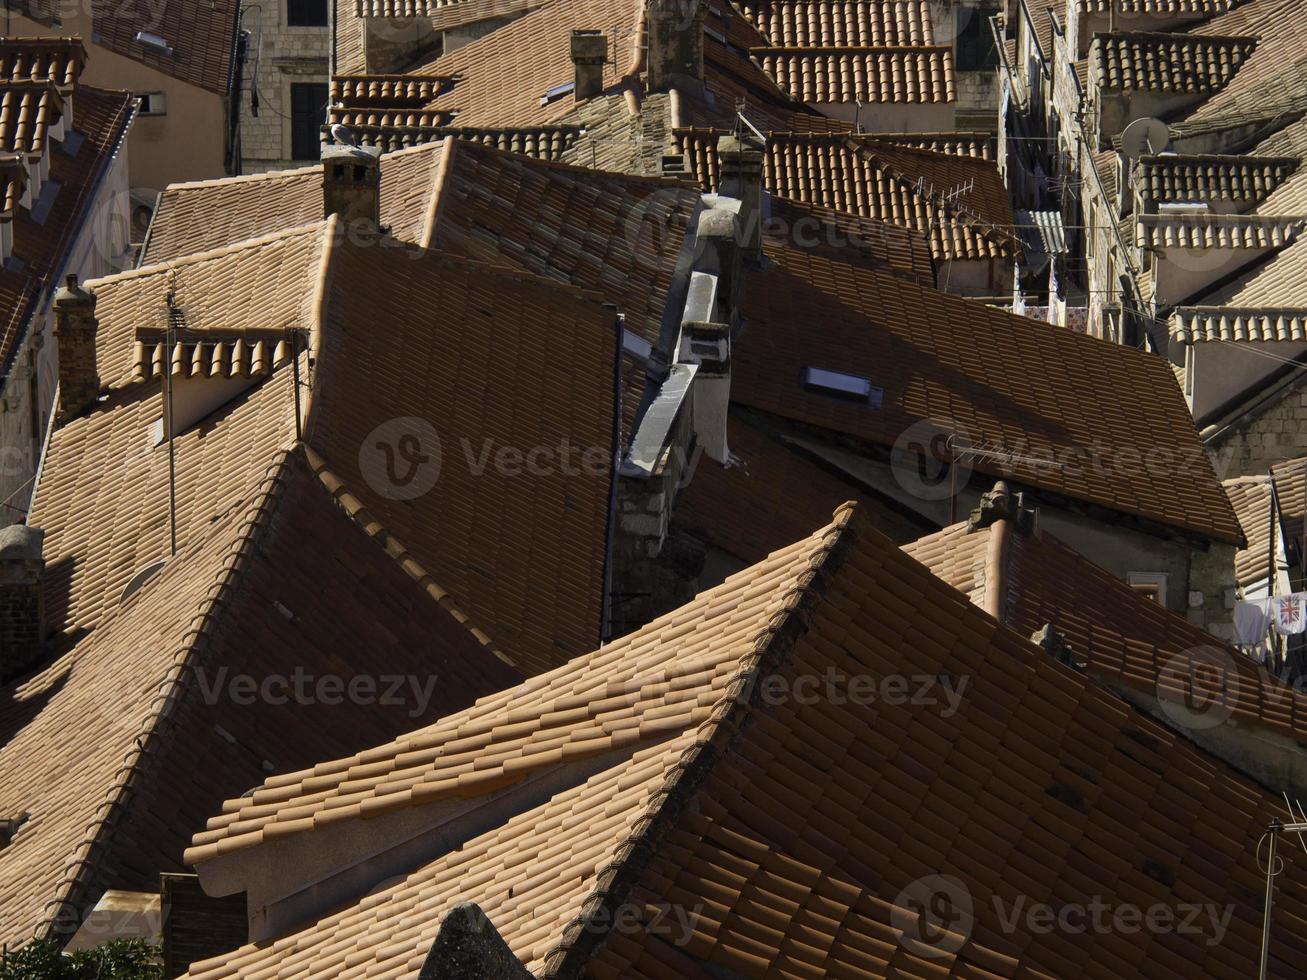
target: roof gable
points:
(1024, 785)
(283, 594)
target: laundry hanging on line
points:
(1286, 613)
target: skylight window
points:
(154, 42)
(837, 384)
(557, 92)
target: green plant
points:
(121, 959)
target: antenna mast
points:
(170, 339)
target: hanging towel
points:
(1251, 620)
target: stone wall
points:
(1274, 432)
(278, 56)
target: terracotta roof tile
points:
(842, 23)
(387, 312)
(1029, 580)
(1251, 498)
(114, 761)
(622, 687)
(1217, 230)
(768, 497)
(1205, 8)
(921, 74)
(1266, 304)
(617, 235)
(55, 59)
(1270, 83)
(1001, 379)
(27, 112)
(506, 74)
(41, 248)
(201, 215)
(201, 34)
(881, 180)
(486, 533)
(1168, 62)
(1244, 179)
(732, 814)
(850, 238)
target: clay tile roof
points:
(445, 14)
(921, 74)
(1217, 230)
(494, 358)
(768, 497)
(388, 90)
(375, 317)
(1251, 498)
(1245, 179)
(881, 180)
(1269, 86)
(617, 235)
(201, 34)
(1267, 304)
(206, 214)
(27, 111)
(1029, 580)
(851, 238)
(640, 689)
(1000, 379)
(505, 75)
(1206, 8)
(58, 60)
(842, 23)
(87, 736)
(786, 828)
(40, 248)
(1184, 63)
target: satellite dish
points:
(1145, 135)
(342, 134)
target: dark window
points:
(308, 111)
(976, 50)
(306, 13)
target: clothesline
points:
(1287, 614)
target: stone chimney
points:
(589, 53)
(21, 614)
(675, 49)
(74, 327)
(1002, 504)
(1056, 646)
(739, 159)
(351, 185)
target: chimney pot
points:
(589, 54)
(351, 184)
(21, 611)
(75, 327)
